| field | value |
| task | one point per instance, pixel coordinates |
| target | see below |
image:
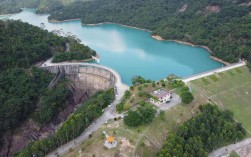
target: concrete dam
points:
(87, 77)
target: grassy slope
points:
(153, 135)
(231, 90)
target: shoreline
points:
(159, 38)
(56, 21)
(10, 14)
(102, 23)
(97, 24)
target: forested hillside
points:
(14, 6)
(22, 45)
(210, 129)
(44, 6)
(224, 26)
(24, 89)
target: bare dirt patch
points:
(245, 151)
(183, 8)
(213, 9)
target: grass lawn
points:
(230, 90)
(144, 88)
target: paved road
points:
(174, 101)
(228, 149)
(211, 72)
(108, 113)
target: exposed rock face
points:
(183, 8)
(213, 9)
(84, 82)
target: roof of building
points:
(160, 93)
(110, 139)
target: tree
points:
(132, 119)
(144, 114)
(187, 97)
(208, 130)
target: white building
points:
(160, 96)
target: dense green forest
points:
(208, 130)
(14, 6)
(72, 127)
(24, 91)
(43, 6)
(21, 48)
(224, 26)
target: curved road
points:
(108, 113)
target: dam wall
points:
(85, 77)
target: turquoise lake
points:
(131, 51)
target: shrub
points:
(140, 88)
(132, 100)
(127, 107)
(184, 89)
(137, 80)
(140, 94)
(149, 81)
(90, 135)
(154, 84)
(120, 107)
(105, 148)
(127, 94)
(142, 144)
(163, 84)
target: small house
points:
(160, 96)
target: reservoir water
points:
(130, 51)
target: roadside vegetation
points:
(70, 56)
(75, 124)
